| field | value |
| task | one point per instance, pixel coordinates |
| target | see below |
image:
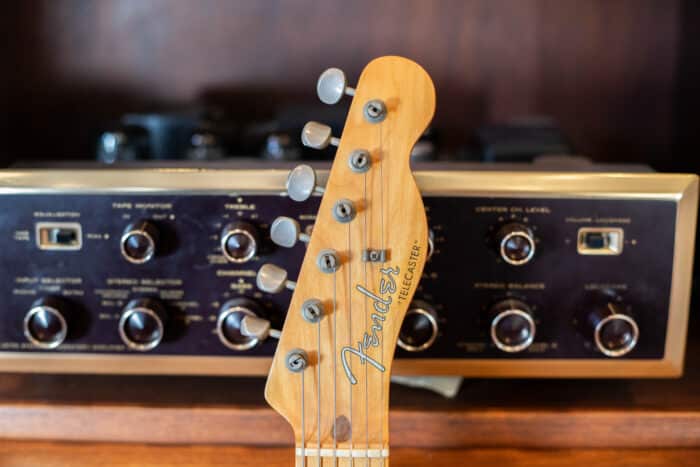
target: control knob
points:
(45, 324)
(420, 327)
(515, 243)
(239, 242)
(613, 332)
(139, 242)
(142, 324)
(512, 326)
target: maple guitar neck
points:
(330, 374)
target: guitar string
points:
(366, 246)
(335, 375)
(381, 355)
(318, 393)
(349, 297)
(303, 424)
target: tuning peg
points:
(258, 328)
(301, 183)
(318, 136)
(331, 86)
(285, 232)
(273, 279)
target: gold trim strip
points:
(432, 182)
(259, 366)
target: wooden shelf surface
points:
(486, 413)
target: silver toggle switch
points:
(301, 183)
(318, 136)
(286, 231)
(332, 85)
(273, 279)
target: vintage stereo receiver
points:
(532, 272)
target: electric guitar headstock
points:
(330, 374)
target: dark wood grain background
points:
(608, 71)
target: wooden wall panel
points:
(604, 68)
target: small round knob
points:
(139, 242)
(45, 323)
(332, 85)
(229, 322)
(512, 326)
(317, 136)
(614, 333)
(286, 231)
(273, 279)
(142, 324)
(419, 329)
(301, 183)
(239, 242)
(516, 244)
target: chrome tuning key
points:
(332, 85)
(318, 136)
(301, 183)
(273, 279)
(258, 328)
(286, 231)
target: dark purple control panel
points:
(507, 279)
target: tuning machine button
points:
(512, 326)
(239, 242)
(516, 243)
(318, 136)
(142, 324)
(139, 242)
(614, 333)
(419, 328)
(286, 231)
(302, 183)
(332, 85)
(273, 279)
(45, 324)
(240, 325)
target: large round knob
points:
(228, 325)
(45, 323)
(419, 329)
(516, 243)
(614, 333)
(139, 242)
(512, 326)
(239, 242)
(142, 324)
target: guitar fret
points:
(343, 453)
